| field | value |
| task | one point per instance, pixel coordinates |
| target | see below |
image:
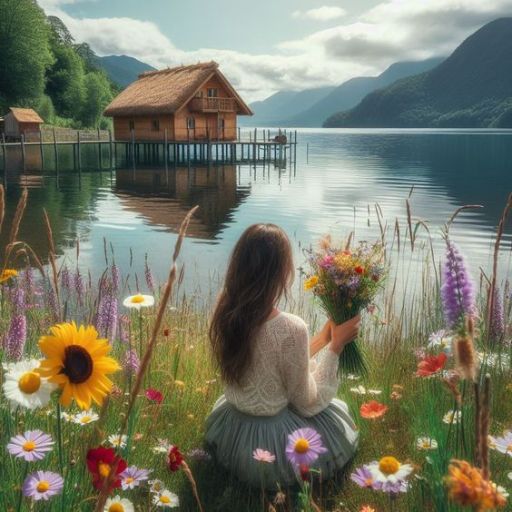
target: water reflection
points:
(163, 197)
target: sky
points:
(264, 46)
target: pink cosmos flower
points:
(263, 456)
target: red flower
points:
(166, 332)
(431, 365)
(154, 395)
(359, 269)
(100, 463)
(372, 410)
(175, 458)
(304, 472)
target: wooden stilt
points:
(41, 149)
(23, 155)
(55, 154)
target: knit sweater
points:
(282, 373)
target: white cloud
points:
(393, 30)
(324, 13)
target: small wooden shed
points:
(195, 103)
(20, 121)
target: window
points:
(221, 124)
(191, 123)
(213, 93)
(155, 125)
(131, 124)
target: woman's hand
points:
(343, 334)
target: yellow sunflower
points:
(76, 360)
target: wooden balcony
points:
(212, 105)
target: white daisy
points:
(452, 417)
(361, 390)
(118, 504)
(24, 386)
(139, 301)
(65, 416)
(509, 475)
(351, 376)
(502, 444)
(85, 417)
(118, 441)
(156, 486)
(389, 475)
(502, 491)
(426, 443)
(440, 340)
(166, 499)
(163, 446)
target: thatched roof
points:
(168, 90)
(25, 115)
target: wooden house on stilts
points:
(188, 103)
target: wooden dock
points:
(56, 156)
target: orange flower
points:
(359, 269)
(431, 364)
(367, 508)
(372, 410)
(467, 487)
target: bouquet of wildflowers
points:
(345, 281)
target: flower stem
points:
(59, 438)
(20, 500)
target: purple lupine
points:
(16, 337)
(107, 316)
(116, 278)
(131, 362)
(497, 326)
(18, 300)
(124, 329)
(457, 289)
(65, 278)
(79, 285)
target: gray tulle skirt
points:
(232, 436)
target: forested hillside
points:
(470, 89)
(42, 67)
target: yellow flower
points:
(179, 384)
(311, 282)
(7, 274)
(76, 360)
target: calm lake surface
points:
(338, 179)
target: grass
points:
(181, 368)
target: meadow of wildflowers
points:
(106, 386)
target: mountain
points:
(471, 89)
(282, 105)
(350, 93)
(121, 69)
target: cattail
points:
(497, 326)
(65, 279)
(116, 278)
(16, 337)
(131, 362)
(28, 278)
(149, 277)
(452, 381)
(457, 290)
(465, 355)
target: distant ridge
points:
(311, 107)
(122, 69)
(471, 89)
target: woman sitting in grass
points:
(272, 386)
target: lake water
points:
(338, 179)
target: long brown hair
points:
(260, 271)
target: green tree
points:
(66, 80)
(97, 96)
(24, 52)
